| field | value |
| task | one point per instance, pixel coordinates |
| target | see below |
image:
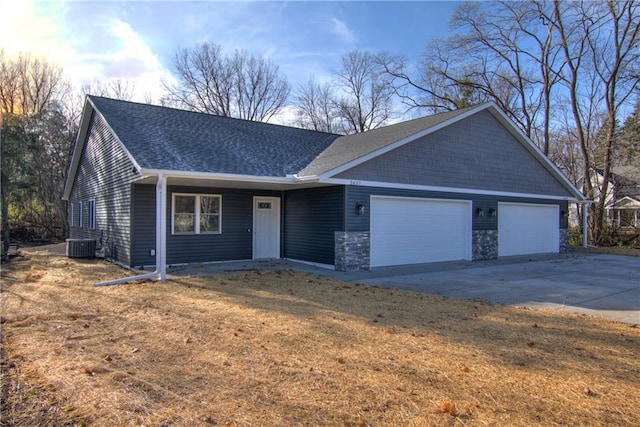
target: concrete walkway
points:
(595, 284)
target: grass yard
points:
(286, 349)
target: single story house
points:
(622, 201)
(162, 186)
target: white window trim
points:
(617, 217)
(196, 220)
(71, 214)
(80, 208)
(92, 214)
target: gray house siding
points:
(104, 174)
(484, 241)
(235, 242)
(358, 194)
(311, 218)
(144, 224)
(475, 153)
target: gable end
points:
(477, 152)
(104, 174)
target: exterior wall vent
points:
(81, 248)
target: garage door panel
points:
(527, 229)
(411, 231)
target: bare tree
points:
(316, 108)
(118, 88)
(360, 97)
(615, 54)
(240, 85)
(261, 90)
(205, 80)
(423, 89)
(499, 51)
(27, 83)
(600, 42)
(54, 133)
(366, 100)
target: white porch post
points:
(161, 227)
(585, 225)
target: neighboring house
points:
(623, 208)
(157, 186)
(622, 202)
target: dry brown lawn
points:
(282, 348)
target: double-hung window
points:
(196, 214)
(71, 215)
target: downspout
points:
(161, 227)
(160, 273)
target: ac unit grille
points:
(81, 248)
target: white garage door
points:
(527, 229)
(412, 231)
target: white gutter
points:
(289, 179)
(160, 273)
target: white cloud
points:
(133, 46)
(36, 28)
(41, 29)
(341, 29)
(132, 60)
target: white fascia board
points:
(500, 115)
(360, 183)
(77, 150)
(115, 135)
(400, 143)
(220, 176)
(88, 110)
(536, 151)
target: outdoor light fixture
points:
(564, 214)
(492, 212)
(360, 208)
(479, 212)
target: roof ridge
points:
(230, 118)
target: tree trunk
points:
(5, 214)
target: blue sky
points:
(136, 40)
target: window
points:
(626, 217)
(91, 207)
(80, 212)
(196, 214)
(71, 214)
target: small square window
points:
(264, 205)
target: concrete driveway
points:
(595, 284)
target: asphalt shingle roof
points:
(170, 139)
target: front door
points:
(266, 227)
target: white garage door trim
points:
(528, 228)
(410, 230)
